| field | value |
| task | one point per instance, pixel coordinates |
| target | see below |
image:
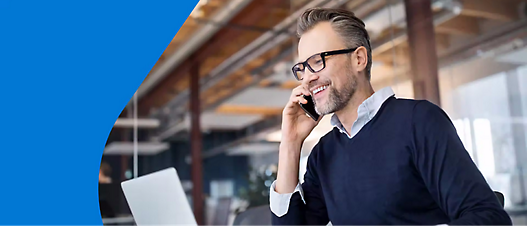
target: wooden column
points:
(421, 39)
(196, 145)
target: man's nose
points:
(309, 77)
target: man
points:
(387, 161)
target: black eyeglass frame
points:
(323, 56)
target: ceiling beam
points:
(141, 123)
(291, 84)
(395, 36)
(388, 42)
(399, 54)
(249, 16)
(246, 135)
(201, 36)
(501, 10)
(127, 148)
(442, 41)
(463, 25)
(248, 110)
(265, 83)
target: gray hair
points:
(351, 29)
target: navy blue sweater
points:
(406, 166)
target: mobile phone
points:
(309, 108)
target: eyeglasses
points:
(316, 62)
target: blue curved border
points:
(68, 68)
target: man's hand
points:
(296, 126)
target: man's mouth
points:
(319, 89)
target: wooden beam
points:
(265, 83)
(442, 41)
(208, 10)
(399, 54)
(291, 84)
(196, 146)
(248, 110)
(353, 4)
(256, 62)
(421, 38)
(250, 16)
(386, 43)
(501, 10)
(215, 3)
(244, 77)
(463, 25)
(384, 58)
(282, 11)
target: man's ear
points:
(362, 58)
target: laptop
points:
(158, 199)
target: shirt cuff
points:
(279, 203)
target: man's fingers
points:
(300, 90)
(301, 99)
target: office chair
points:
(500, 197)
(223, 210)
(260, 215)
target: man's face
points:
(338, 80)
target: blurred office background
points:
(211, 105)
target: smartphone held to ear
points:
(309, 108)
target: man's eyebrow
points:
(301, 61)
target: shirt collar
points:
(368, 109)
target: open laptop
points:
(158, 199)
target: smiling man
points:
(387, 161)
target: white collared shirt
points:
(366, 111)
(279, 203)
